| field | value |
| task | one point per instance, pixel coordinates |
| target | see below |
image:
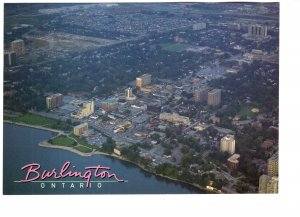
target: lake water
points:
(21, 148)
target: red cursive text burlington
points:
(33, 173)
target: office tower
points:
(18, 46)
(227, 144)
(214, 97)
(54, 100)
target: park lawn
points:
(83, 149)
(34, 120)
(80, 141)
(174, 47)
(38, 120)
(246, 111)
(63, 141)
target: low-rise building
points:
(109, 104)
(174, 118)
(118, 149)
(199, 26)
(233, 161)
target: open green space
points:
(63, 141)
(174, 47)
(33, 119)
(246, 111)
(38, 120)
(83, 149)
(79, 140)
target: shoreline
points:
(33, 126)
(45, 144)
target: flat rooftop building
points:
(80, 129)
(233, 161)
(214, 97)
(18, 46)
(143, 80)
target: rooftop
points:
(234, 158)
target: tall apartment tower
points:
(54, 100)
(10, 58)
(143, 80)
(128, 92)
(18, 46)
(273, 165)
(227, 144)
(200, 95)
(268, 184)
(214, 97)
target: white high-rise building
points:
(227, 144)
(128, 92)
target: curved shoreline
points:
(33, 126)
(45, 144)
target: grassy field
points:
(81, 141)
(63, 141)
(33, 120)
(246, 111)
(83, 149)
(174, 47)
(37, 120)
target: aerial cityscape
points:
(188, 92)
